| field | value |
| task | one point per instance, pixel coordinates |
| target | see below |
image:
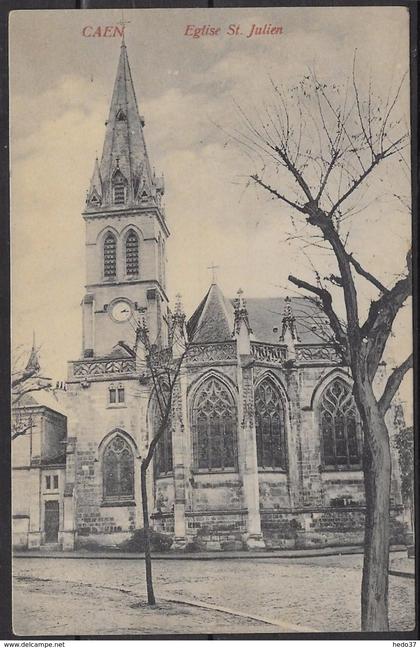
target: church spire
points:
(124, 174)
(33, 366)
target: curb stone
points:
(215, 555)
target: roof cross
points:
(123, 23)
(213, 268)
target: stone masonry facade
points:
(264, 447)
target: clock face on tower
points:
(121, 310)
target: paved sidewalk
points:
(402, 566)
(118, 611)
(115, 554)
(318, 592)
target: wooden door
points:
(51, 521)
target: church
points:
(264, 447)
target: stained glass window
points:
(269, 426)
(339, 426)
(214, 426)
(132, 253)
(110, 255)
(118, 470)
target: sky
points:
(189, 91)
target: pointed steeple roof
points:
(124, 157)
(94, 196)
(33, 366)
(213, 319)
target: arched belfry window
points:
(110, 255)
(163, 453)
(214, 420)
(339, 427)
(119, 187)
(118, 470)
(132, 253)
(118, 190)
(270, 426)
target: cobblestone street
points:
(307, 594)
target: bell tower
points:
(126, 232)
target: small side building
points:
(38, 469)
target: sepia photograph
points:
(212, 326)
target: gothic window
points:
(269, 426)
(110, 255)
(163, 452)
(214, 420)
(163, 457)
(132, 253)
(339, 427)
(118, 470)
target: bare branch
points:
(326, 301)
(367, 275)
(393, 383)
(24, 376)
(298, 176)
(377, 327)
(17, 397)
(275, 193)
(21, 431)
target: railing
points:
(207, 354)
(91, 368)
(317, 353)
(212, 352)
(162, 358)
(272, 353)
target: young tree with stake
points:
(162, 368)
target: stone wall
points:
(273, 490)
(217, 530)
(92, 423)
(216, 491)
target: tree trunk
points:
(147, 554)
(377, 477)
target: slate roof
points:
(121, 350)
(213, 319)
(266, 313)
(42, 398)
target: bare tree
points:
(319, 147)
(162, 368)
(26, 379)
